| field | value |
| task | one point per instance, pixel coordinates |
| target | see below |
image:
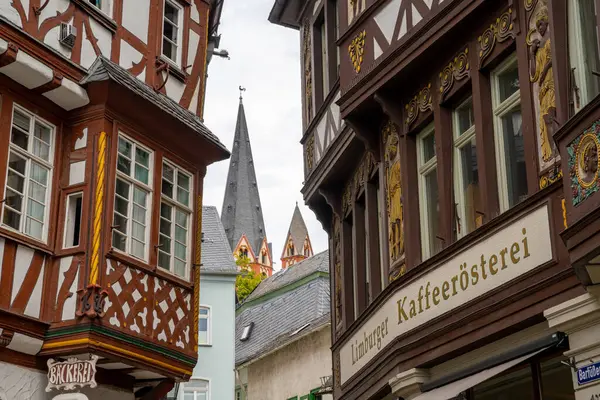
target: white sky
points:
(265, 60)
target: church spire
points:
(297, 244)
(242, 212)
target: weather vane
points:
(242, 89)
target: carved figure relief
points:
(584, 164)
(309, 153)
(540, 69)
(355, 8)
(500, 31)
(307, 56)
(394, 199)
(356, 50)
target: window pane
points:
(42, 132)
(17, 163)
(181, 218)
(118, 241)
(35, 210)
(169, 49)
(171, 13)
(139, 231)
(179, 267)
(183, 181)
(142, 157)
(203, 325)
(167, 182)
(11, 218)
(15, 182)
(124, 147)
(139, 214)
(164, 260)
(203, 311)
(514, 157)
(120, 223)
(37, 192)
(19, 138)
(183, 196)
(188, 396)
(508, 82)
(124, 165)
(21, 120)
(165, 227)
(122, 189)
(428, 147)
(557, 383)
(39, 174)
(180, 234)
(469, 181)
(180, 251)
(121, 205)
(464, 116)
(586, 23)
(137, 248)
(431, 194)
(139, 196)
(34, 228)
(141, 174)
(13, 199)
(41, 149)
(202, 337)
(170, 31)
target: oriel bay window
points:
(25, 208)
(428, 192)
(131, 219)
(508, 134)
(175, 219)
(583, 51)
(466, 177)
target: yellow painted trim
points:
(97, 223)
(197, 270)
(103, 345)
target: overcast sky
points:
(265, 60)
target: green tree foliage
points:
(248, 280)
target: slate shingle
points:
(216, 253)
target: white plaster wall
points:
(53, 8)
(9, 12)
(136, 14)
(298, 368)
(194, 103)
(192, 49)
(104, 37)
(174, 88)
(19, 383)
(129, 55)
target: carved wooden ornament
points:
(68, 375)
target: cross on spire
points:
(242, 89)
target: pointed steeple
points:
(242, 211)
(297, 245)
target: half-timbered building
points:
(102, 158)
(451, 153)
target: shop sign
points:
(67, 375)
(489, 264)
(588, 373)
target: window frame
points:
(459, 141)
(179, 44)
(68, 198)
(29, 157)
(197, 378)
(105, 6)
(423, 170)
(208, 325)
(175, 204)
(149, 188)
(499, 110)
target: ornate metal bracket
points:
(163, 66)
(92, 302)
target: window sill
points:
(26, 240)
(145, 267)
(205, 345)
(174, 69)
(97, 14)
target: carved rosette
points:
(421, 103)
(456, 70)
(309, 153)
(584, 164)
(500, 31)
(356, 50)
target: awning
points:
(453, 389)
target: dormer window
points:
(246, 332)
(172, 24)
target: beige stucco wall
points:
(292, 371)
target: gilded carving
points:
(555, 174)
(422, 102)
(456, 70)
(540, 70)
(564, 213)
(584, 164)
(355, 7)
(501, 30)
(307, 55)
(356, 50)
(309, 153)
(347, 198)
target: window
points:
(73, 220)
(131, 216)
(290, 250)
(29, 175)
(247, 331)
(466, 179)
(102, 5)
(428, 192)
(171, 32)
(508, 135)
(204, 326)
(583, 51)
(244, 253)
(175, 219)
(196, 389)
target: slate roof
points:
(103, 69)
(317, 263)
(242, 212)
(297, 231)
(216, 253)
(276, 318)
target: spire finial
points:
(242, 89)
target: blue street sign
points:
(588, 373)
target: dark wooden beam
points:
(367, 134)
(392, 108)
(373, 239)
(160, 390)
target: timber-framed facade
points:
(103, 153)
(438, 134)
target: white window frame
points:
(29, 156)
(105, 6)
(175, 204)
(500, 109)
(424, 169)
(461, 139)
(576, 53)
(66, 227)
(208, 325)
(134, 182)
(197, 378)
(179, 45)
